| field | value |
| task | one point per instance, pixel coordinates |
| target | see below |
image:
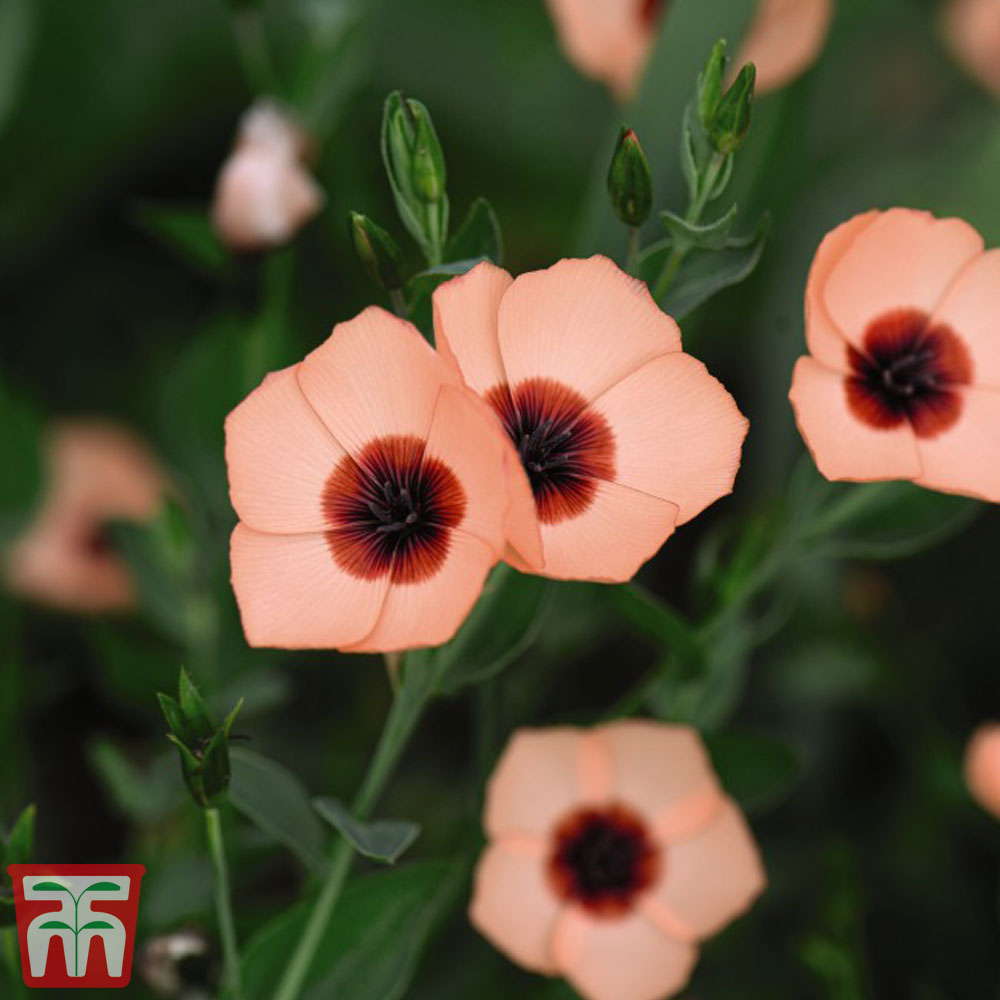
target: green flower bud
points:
(710, 84)
(414, 157)
(377, 250)
(728, 129)
(630, 184)
(202, 744)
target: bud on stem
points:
(731, 122)
(377, 250)
(630, 184)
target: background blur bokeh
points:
(116, 115)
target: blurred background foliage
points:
(841, 672)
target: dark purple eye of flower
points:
(391, 511)
(603, 859)
(565, 447)
(908, 371)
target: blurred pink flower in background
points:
(264, 193)
(96, 472)
(371, 490)
(903, 377)
(972, 28)
(982, 767)
(612, 852)
(623, 436)
(610, 40)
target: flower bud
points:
(202, 744)
(728, 129)
(710, 84)
(630, 184)
(377, 250)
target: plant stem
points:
(677, 255)
(223, 903)
(634, 246)
(252, 49)
(407, 708)
(8, 946)
(398, 301)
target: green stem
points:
(8, 947)
(407, 708)
(634, 246)
(223, 903)
(252, 49)
(398, 301)
(680, 251)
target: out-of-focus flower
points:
(370, 489)
(264, 193)
(784, 40)
(612, 853)
(972, 28)
(97, 472)
(903, 328)
(178, 965)
(610, 40)
(982, 767)
(622, 434)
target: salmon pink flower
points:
(610, 40)
(264, 194)
(370, 486)
(612, 852)
(621, 434)
(973, 31)
(97, 472)
(982, 767)
(903, 381)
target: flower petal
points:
(292, 595)
(627, 959)
(466, 311)
(584, 323)
(972, 28)
(429, 613)
(982, 767)
(842, 446)
(620, 530)
(513, 905)
(966, 457)
(785, 39)
(279, 455)
(657, 768)
(971, 308)
(537, 781)
(827, 342)
(712, 878)
(678, 433)
(904, 260)
(374, 376)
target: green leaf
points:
(50, 887)
(97, 925)
(143, 794)
(707, 236)
(104, 887)
(18, 31)
(382, 840)
(195, 709)
(887, 521)
(20, 843)
(273, 798)
(503, 624)
(186, 233)
(758, 770)
(371, 946)
(175, 717)
(54, 925)
(659, 622)
(478, 236)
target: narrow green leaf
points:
(143, 794)
(705, 236)
(478, 236)
(371, 946)
(18, 32)
(104, 887)
(382, 840)
(186, 232)
(54, 925)
(20, 844)
(273, 798)
(97, 925)
(502, 625)
(659, 622)
(758, 770)
(174, 716)
(50, 887)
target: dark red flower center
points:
(565, 446)
(650, 12)
(391, 511)
(603, 859)
(909, 370)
